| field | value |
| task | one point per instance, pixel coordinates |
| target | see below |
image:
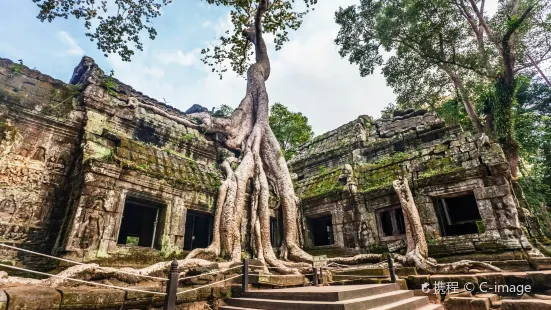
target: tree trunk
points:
(262, 162)
(417, 250)
(469, 108)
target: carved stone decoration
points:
(8, 205)
(360, 132)
(347, 178)
(90, 230)
(365, 235)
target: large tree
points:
(442, 48)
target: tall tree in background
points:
(290, 128)
(443, 48)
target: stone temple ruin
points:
(86, 176)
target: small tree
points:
(290, 128)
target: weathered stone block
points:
(91, 298)
(3, 300)
(467, 303)
(33, 297)
(491, 192)
(434, 298)
(416, 282)
(526, 304)
(541, 263)
(139, 300)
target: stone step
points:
(406, 304)
(432, 307)
(350, 304)
(324, 293)
(233, 308)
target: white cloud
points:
(307, 75)
(156, 72)
(73, 48)
(178, 57)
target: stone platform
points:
(349, 297)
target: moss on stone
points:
(94, 150)
(481, 227)
(323, 185)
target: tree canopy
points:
(445, 49)
(290, 128)
(120, 23)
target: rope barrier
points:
(355, 268)
(79, 263)
(83, 281)
(357, 276)
(213, 272)
(280, 275)
(200, 287)
(257, 266)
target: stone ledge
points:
(32, 297)
(530, 304)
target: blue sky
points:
(308, 75)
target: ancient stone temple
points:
(460, 185)
(87, 173)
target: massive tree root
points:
(417, 250)
(262, 164)
(93, 272)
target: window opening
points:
(458, 215)
(139, 225)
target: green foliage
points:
(119, 27)
(188, 137)
(532, 115)
(453, 113)
(481, 227)
(110, 84)
(280, 17)
(18, 66)
(388, 111)
(291, 129)
(224, 111)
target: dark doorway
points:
(275, 237)
(198, 230)
(139, 223)
(458, 215)
(386, 223)
(322, 230)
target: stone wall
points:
(71, 155)
(348, 173)
(40, 125)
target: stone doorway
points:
(198, 232)
(321, 229)
(139, 225)
(458, 215)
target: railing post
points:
(245, 280)
(315, 275)
(171, 287)
(321, 275)
(391, 268)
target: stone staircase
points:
(342, 297)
